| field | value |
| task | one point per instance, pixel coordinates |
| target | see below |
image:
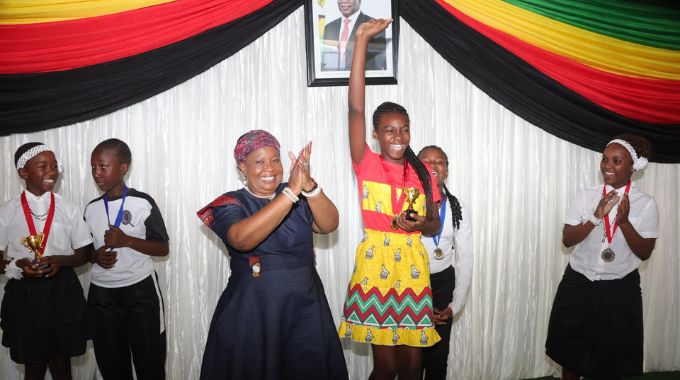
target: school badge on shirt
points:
(127, 218)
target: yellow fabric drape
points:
(37, 11)
(592, 49)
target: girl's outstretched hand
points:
(371, 28)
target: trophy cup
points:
(33, 244)
(411, 194)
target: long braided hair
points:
(456, 213)
(409, 155)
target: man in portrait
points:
(338, 40)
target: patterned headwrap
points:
(30, 150)
(252, 141)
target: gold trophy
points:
(33, 244)
(411, 194)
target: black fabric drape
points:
(526, 91)
(34, 102)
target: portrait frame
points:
(328, 63)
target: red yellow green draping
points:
(639, 97)
(593, 49)
(649, 100)
(651, 23)
(582, 70)
(71, 44)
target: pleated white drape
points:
(515, 178)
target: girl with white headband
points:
(43, 311)
(595, 325)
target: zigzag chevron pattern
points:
(408, 309)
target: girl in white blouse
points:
(450, 253)
(595, 325)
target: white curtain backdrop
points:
(515, 178)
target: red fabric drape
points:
(65, 45)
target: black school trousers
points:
(127, 325)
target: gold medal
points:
(608, 255)
(438, 253)
(394, 223)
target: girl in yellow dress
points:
(389, 300)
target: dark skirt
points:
(596, 326)
(434, 360)
(276, 326)
(44, 318)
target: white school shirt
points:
(141, 219)
(68, 231)
(586, 257)
(457, 247)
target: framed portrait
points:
(329, 33)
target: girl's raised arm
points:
(357, 86)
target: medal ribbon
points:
(119, 217)
(610, 236)
(442, 218)
(31, 225)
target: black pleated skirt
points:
(596, 327)
(276, 326)
(44, 318)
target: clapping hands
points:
(606, 204)
(300, 178)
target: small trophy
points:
(411, 194)
(33, 244)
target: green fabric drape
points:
(655, 24)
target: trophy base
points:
(409, 215)
(38, 265)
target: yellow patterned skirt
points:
(389, 299)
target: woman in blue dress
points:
(273, 319)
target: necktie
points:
(344, 37)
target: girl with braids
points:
(595, 327)
(389, 300)
(452, 246)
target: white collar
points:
(35, 198)
(353, 17)
(621, 189)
